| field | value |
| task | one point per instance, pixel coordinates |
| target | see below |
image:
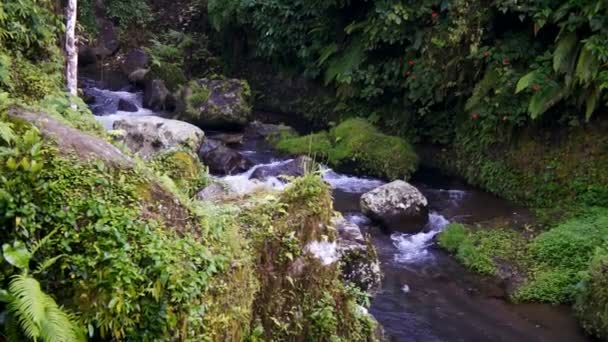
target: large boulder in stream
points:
(219, 103)
(263, 130)
(397, 205)
(150, 135)
(221, 159)
(292, 168)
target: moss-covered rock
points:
(215, 103)
(356, 146)
(183, 168)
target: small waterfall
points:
(414, 247)
(106, 102)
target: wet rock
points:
(138, 77)
(397, 205)
(150, 135)
(293, 168)
(156, 95)
(215, 192)
(261, 130)
(229, 138)
(72, 141)
(215, 103)
(221, 159)
(126, 106)
(134, 60)
(358, 258)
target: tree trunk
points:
(71, 73)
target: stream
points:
(425, 295)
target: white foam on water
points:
(135, 98)
(414, 247)
(242, 184)
(454, 195)
(349, 183)
(326, 252)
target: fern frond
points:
(327, 52)
(47, 263)
(57, 326)
(40, 243)
(341, 67)
(6, 132)
(28, 305)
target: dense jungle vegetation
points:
(507, 94)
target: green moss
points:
(299, 297)
(357, 146)
(482, 250)
(171, 74)
(183, 168)
(592, 300)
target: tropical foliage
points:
(500, 65)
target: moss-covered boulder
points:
(355, 146)
(150, 135)
(215, 103)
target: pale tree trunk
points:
(71, 72)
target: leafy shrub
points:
(452, 237)
(356, 145)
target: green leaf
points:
(17, 255)
(525, 81)
(564, 54)
(591, 101)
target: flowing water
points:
(425, 295)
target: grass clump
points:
(481, 250)
(561, 255)
(356, 145)
(592, 300)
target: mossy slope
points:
(355, 146)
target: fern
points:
(341, 67)
(38, 315)
(6, 132)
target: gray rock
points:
(261, 130)
(138, 76)
(221, 159)
(397, 205)
(134, 60)
(358, 258)
(214, 192)
(229, 138)
(73, 141)
(126, 106)
(293, 168)
(150, 135)
(156, 95)
(226, 104)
